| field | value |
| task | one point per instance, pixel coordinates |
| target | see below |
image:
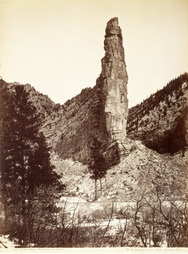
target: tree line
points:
(29, 185)
(26, 171)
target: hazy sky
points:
(57, 45)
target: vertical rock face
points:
(100, 112)
(114, 82)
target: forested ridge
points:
(160, 121)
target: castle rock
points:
(114, 82)
(99, 112)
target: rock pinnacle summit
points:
(99, 112)
(115, 79)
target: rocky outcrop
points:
(161, 121)
(100, 112)
(114, 82)
(137, 174)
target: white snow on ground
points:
(71, 199)
(6, 243)
(113, 224)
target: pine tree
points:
(6, 146)
(97, 164)
(25, 157)
(41, 170)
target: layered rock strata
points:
(161, 121)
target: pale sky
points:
(57, 46)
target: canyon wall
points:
(161, 121)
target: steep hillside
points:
(161, 121)
(140, 172)
(45, 106)
(79, 120)
(69, 128)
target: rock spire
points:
(114, 76)
(99, 112)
